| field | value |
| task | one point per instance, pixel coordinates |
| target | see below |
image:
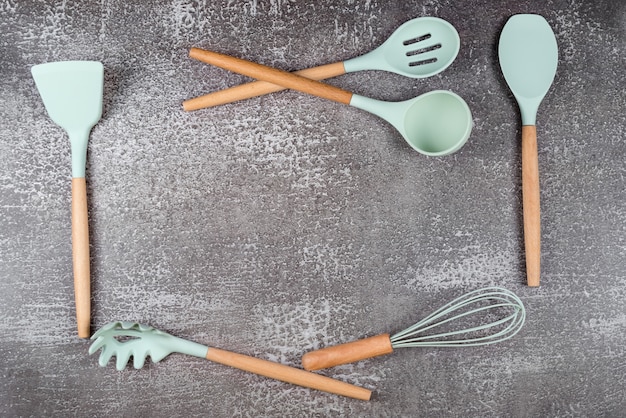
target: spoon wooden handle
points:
(530, 201)
(272, 75)
(80, 256)
(259, 88)
(287, 374)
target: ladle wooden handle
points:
(530, 201)
(80, 256)
(347, 353)
(272, 75)
(259, 88)
(287, 374)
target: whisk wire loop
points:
(462, 331)
(504, 299)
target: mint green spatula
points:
(528, 57)
(72, 94)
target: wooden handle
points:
(259, 88)
(530, 197)
(272, 75)
(347, 353)
(80, 256)
(287, 374)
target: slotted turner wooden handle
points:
(272, 75)
(259, 88)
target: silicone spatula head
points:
(528, 56)
(72, 94)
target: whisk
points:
(428, 333)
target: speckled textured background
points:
(285, 223)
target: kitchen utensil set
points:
(435, 123)
(129, 339)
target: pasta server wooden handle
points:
(347, 353)
(287, 374)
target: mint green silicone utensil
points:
(493, 315)
(130, 339)
(435, 123)
(528, 55)
(72, 94)
(421, 47)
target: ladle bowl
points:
(435, 123)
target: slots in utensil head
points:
(421, 50)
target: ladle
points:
(436, 123)
(419, 48)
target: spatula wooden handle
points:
(272, 75)
(287, 374)
(80, 256)
(347, 353)
(530, 200)
(259, 88)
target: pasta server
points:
(130, 339)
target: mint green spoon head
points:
(528, 56)
(419, 48)
(435, 123)
(72, 95)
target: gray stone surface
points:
(285, 223)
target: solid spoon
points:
(435, 123)
(419, 48)
(529, 56)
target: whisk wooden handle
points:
(287, 374)
(272, 75)
(259, 88)
(347, 353)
